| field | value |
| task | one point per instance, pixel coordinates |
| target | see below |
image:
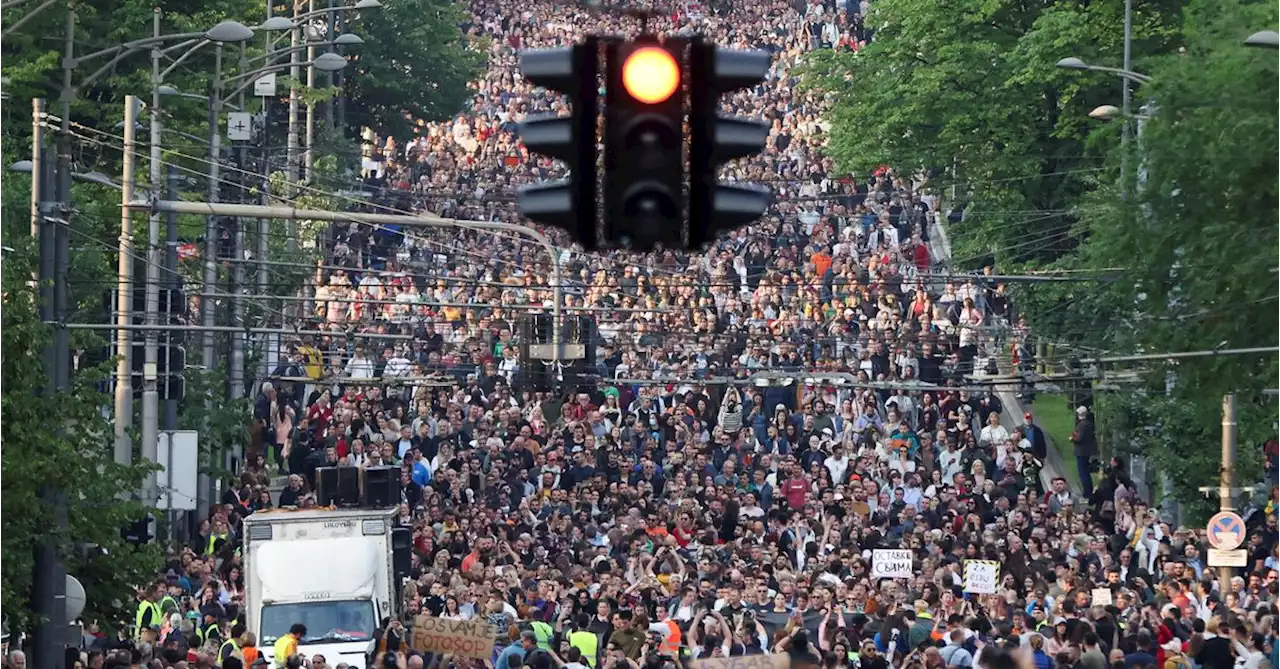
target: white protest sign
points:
(744, 662)
(891, 564)
(1100, 597)
(981, 576)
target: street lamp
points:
(1129, 76)
(277, 24)
(1073, 63)
(1110, 112)
(295, 73)
(1265, 39)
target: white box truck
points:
(329, 569)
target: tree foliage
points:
(59, 441)
(62, 441)
(415, 63)
(1199, 243)
(970, 92)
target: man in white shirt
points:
(837, 463)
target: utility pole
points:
(170, 415)
(1227, 481)
(291, 143)
(208, 304)
(307, 153)
(49, 576)
(151, 350)
(124, 293)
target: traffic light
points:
(171, 360)
(715, 139)
(138, 532)
(644, 154)
(568, 203)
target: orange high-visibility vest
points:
(671, 643)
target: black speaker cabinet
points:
(338, 486)
(381, 487)
(402, 550)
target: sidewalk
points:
(1011, 417)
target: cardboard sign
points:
(1100, 597)
(468, 638)
(744, 662)
(981, 576)
(892, 564)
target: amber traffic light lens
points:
(650, 75)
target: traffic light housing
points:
(138, 532)
(171, 361)
(644, 154)
(715, 139)
(568, 203)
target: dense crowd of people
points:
(681, 506)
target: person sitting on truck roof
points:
(287, 645)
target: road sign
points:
(265, 86)
(239, 126)
(1228, 558)
(1226, 530)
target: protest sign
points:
(744, 662)
(1101, 597)
(981, 576)
(468, 638)
(891, 564)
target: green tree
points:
(1198, 242)
(415, 61)
(970, 93)
(59, 441)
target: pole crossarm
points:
(1260, 350)
(124, 51)
(135, 327)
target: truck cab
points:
(329, 569)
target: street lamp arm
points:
(135, 45)
(1131, 76)
(183, 57)
(180, 45)
(124, 51)
(28, 16)
(290, 49)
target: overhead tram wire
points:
(522, 240)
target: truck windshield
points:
(326, 621)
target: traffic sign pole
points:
(1227, 481)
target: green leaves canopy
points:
(59, 441)
(415, 60)
(970, 92)
(1199, 241)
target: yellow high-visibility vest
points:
(587, 643)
